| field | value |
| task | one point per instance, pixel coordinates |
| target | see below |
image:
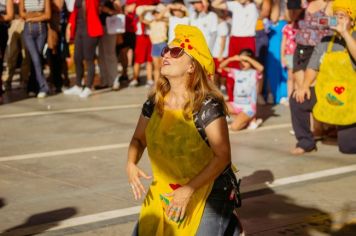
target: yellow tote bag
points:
(336, 89)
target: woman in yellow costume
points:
(194, 190)
(332, 69)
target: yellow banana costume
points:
(177, 154)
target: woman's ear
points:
(191, 68)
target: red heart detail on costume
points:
(182, 45)
(339, 90)
(187, 40)
(190, 47)
(175, 186)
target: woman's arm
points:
(218, 136)
(255, 64)
(265, 9)
(9, 12)
(275, 11)
(219, 4)
(39, 16)
(136, 148)
(225, 62)
(343, 28)
(222, 47)
(283, 48)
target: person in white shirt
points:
(220, 50)
(243, 30)
(178, 15)
(202, 17)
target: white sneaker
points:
(75, 90)
(133, 83)
(85, 93)
(254, 124)
(149, 83)
(116, 84)
(270, 99)
(229, 119)
(260, 100)
(41, 95)
(284, 101)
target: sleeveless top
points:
(310, 32)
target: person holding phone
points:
(333, 58)
(184, 128)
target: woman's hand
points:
(68, 32)
(134, 174)
(301, 94)
(342, 25)
(178, 205)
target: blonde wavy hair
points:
(199, 88)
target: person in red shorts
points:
(142, 48)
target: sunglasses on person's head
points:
(174, 52)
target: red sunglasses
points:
(174, 52)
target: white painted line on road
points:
(63, 152)
(108, 215)
(66, 111)
(301, 178)
(263, 128)
(107, 147)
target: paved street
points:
(62, 171)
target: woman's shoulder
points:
(211, 109)
(148, 108)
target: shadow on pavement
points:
(41, 222)
(276, 214)
(2, 202)
(265, 112)
(346, 230)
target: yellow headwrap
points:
(348, 6)
(192, 40)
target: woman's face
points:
(172, 67)
(198, 6)
(178, 13)
(343, 17)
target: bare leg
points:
(136, 71)
(290, 83)
(241, 120)
(123, 60)
(156, 67)
(149, 71)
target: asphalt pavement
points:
(62, 171)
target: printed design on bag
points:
(339, 90)
(333, 100)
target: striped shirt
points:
(34, 5)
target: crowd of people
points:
(183, 122)
(263, 50)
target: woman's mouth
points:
(165, 62)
